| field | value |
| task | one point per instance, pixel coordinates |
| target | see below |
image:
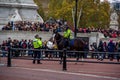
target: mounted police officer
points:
(67, 36)
(37, 44)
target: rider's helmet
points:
(67, 27)
(36, 36)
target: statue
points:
(114, 16)
(114, 21)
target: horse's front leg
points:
(61, 57)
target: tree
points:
(53, 6)
(93, 12)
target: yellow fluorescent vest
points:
(67, 34)
(37, 43)
(40, 43)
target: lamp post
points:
(75, 32)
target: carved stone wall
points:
(27, 10)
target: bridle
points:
(58, 39)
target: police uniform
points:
(67, 35)
(37, 44)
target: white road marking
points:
(99, 72)
(70, 73)
(2, 64)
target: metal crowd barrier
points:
(1, 55)
(64, 54)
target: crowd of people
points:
(52, 24)
(49, 25)
(14, 43)
(61, 26)
(111, 46)
(108, 33)
(23, 43)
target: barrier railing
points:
(64, 51)
(2, 53)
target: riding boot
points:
(33, 61)
(67, 44)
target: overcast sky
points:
(111, 0)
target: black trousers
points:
(37, 56)
(66, 42)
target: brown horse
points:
(75, 44)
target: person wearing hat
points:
(67, 36)
(37, 44)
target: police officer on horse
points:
(67, 36)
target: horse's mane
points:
(59, 40)
(51, 39)
(58, 36)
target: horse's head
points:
(58, 37)
(59, 40)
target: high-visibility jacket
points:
(37, 43)
(67, 34)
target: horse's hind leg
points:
(82, 56)
(118, 57)
(77, 57)
(61, 57)
(61, 60)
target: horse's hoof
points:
(60, 63)
(111, 59)
(98, 59)
(118, 60)
(76, 63)
(101, 59)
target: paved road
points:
(52, 70)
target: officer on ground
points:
(37, 44)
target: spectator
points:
(86, 48)
(111, 49)
(94, 49)
(3, 48)
(118, 49)
(100, 49)
(30, 46)
(104, 49)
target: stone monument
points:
(18, 10)
(114, 21)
